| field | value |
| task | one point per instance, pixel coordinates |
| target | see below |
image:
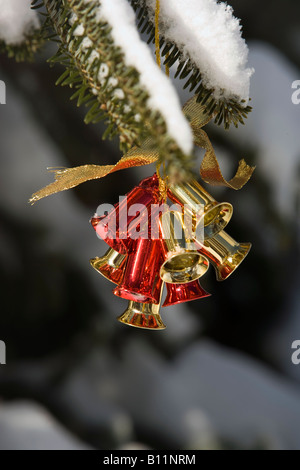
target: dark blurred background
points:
(220, 375)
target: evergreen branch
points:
(226, 111)
(96, 69)
(25, 51)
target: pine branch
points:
(24, 51)
(226, 111)
(111, 90)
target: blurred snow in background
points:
(25, 425)
(273, 126)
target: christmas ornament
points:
(141, 281)
(119, 226)
(224, 253)
(198, 202)
(101, 227)
(182, 262)
(143, 315)
(175, 255)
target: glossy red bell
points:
(129, 218)
(101, 228)
(179, 293)
(141, 281)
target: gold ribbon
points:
(210, 170)
(67, 178)
(157, 48)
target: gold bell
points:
(143, 315)
(111, 265)
(212, 215)
(183, 263)
(224, 253)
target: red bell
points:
(117, 244)
(179, 293)
(129, 218)
(141, 281)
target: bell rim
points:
(102, 273)
(245, 249)
(185, 300)
(223, 206)
(165, 275)
(159, 328)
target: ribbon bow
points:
(67, 178)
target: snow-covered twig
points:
(163, 96)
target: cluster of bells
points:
(140, 267)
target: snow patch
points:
(208, 33)
(17, 20)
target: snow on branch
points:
(162, 95)
(206, 32)
(17, 20)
